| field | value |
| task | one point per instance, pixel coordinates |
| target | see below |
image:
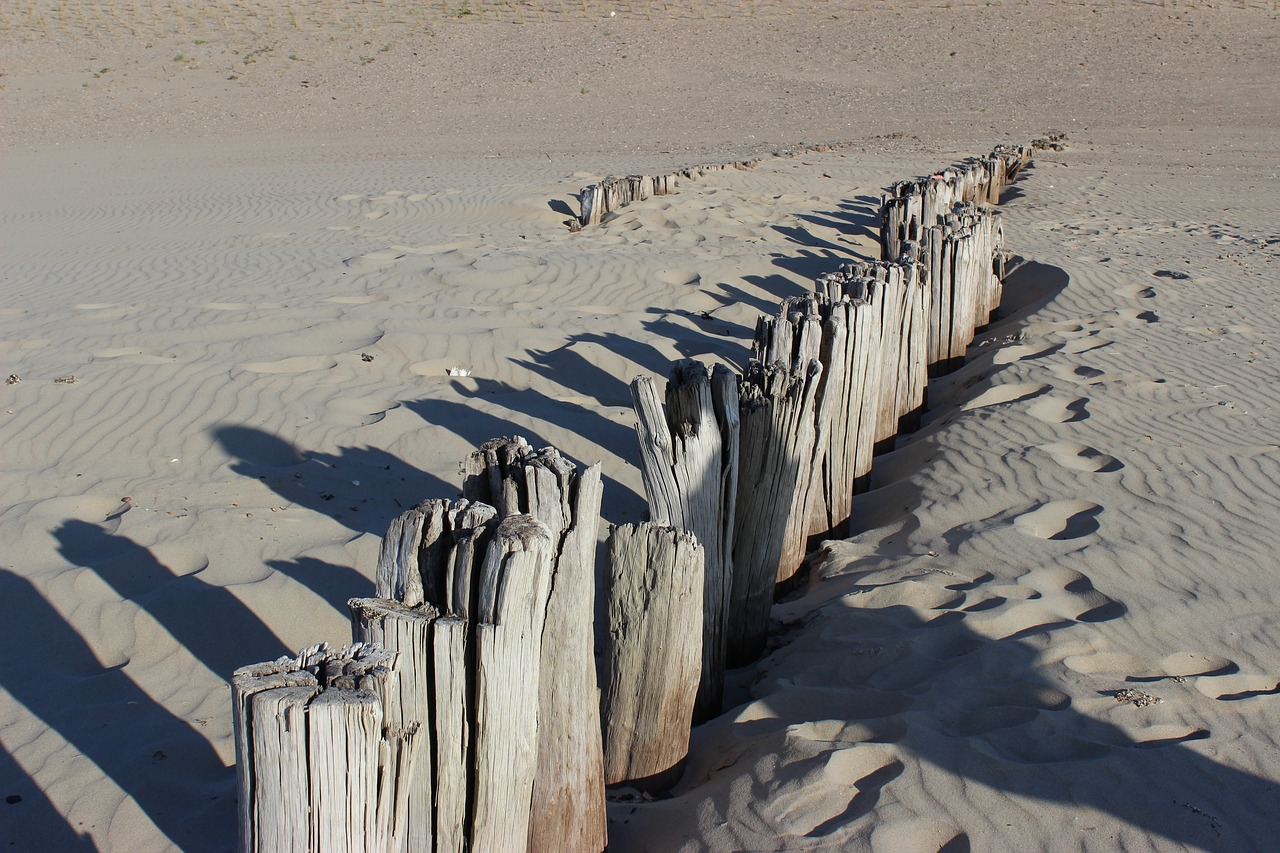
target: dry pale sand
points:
(259, 238)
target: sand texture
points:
(255, 305)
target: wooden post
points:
(689, 462)
(429, 566)
(514, 584)
(609, 195)
(776, 462)
(429, 554)
(654, 657)
(408, 631)
(321, 765)
(569, 808)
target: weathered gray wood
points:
(324, 769)
(850, 341)
(282, 796)
(689, 454)
(515, 582)
(428, 554)
(453, 721)
(407, 631)
(344, 729)
(776, 462)
(569, 809)
(598, 200)
(654, 656)
(247, 682)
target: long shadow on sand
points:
(158, 759)
(327, 482)
(226, 634)
(470, 422)
(955, 687)
(27, 810)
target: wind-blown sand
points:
(260, 285)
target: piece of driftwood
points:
(319, 768)
(453, 723)
(569, 807)
(655, 588)
(689, 464)
(515, 582)
(846, 411)
(778, 443)
(963, 257)
(599, 199)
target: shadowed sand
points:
(264, 244)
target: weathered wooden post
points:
(514, 586)
(568, 801)
(689, 463)
(429, 567)
(849, 351)
(323, 758)
(777, 459)
(654, 656)
(899, 294)
(597, 200)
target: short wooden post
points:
(407, 631)
(320, 767)
(655, 656)
(568, 807)
(689, 462)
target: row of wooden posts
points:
(468, 713)
(600, 199)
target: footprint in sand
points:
(917, 833)
(355, 300)
(1134, 668)
(1024, 352)
(1136, 291)
(811, 797)
(1233, 688)
(136, 356)
(1055, 409)
(1069, 519)
(375, 261)
(1071, 595)
(1091, 343)
(296, 364)
(358, 411)
(1081, 457)
(1008, 392)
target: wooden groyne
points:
(467, 714)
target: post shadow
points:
(476, 427)
(978, 708)
(167, 767)
(28, 812)
(205, 619)
(323, 482)
(335, 584)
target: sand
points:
(261, 286)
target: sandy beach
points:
(270, 271)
